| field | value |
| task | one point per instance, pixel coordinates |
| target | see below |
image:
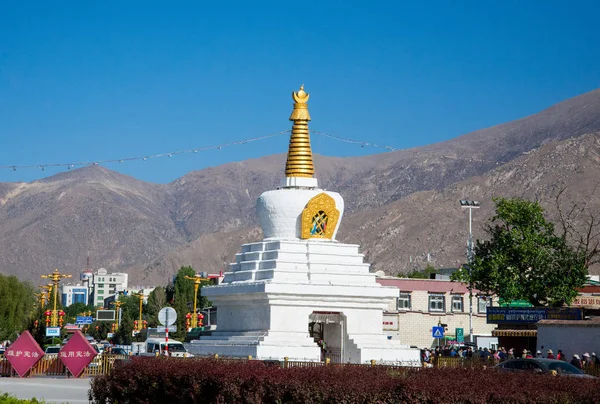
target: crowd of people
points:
(495, 356)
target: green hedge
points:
(10, 399)
(172, 380)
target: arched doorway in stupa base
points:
(328, 329)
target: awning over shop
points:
(514, 333)
(325, 317)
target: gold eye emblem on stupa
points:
(319, 217)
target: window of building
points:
(403, 302)
(457, 304)
(437, 302)
(483, 302)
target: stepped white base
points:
(269, 294)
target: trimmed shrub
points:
(170, 380)
(10, 399)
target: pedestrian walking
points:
(576, 361)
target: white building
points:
(107, 284)
(425, 303)
(299, 277)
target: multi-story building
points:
(427, 303)
(107, 284)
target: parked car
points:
(118, 351)
(52, 350)
(539, 365)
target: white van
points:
(156, 346)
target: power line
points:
(74, 164)
(219, 146)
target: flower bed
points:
(156, 380)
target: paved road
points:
(50, 389)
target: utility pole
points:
(470, 205)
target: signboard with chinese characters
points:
(390, 322)
(77, 354)
(590, 302)
(84, 320)
(531, 315)
(24, 353)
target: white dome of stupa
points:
(300, 209)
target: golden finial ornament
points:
(299, 160)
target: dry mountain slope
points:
(398, 236)
(432, 222)
(222, 198)
(56, 222)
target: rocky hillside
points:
(199, 219)
(402, 235)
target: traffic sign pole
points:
(167, 334)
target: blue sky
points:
(85, 81)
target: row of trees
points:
(17, 303)
(178, 294)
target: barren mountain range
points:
(400, 206)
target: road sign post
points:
(437, 332)
(167, 316)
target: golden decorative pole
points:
(118, 305)
(47, 292)
(299, 160)
(55, 277)
(197, 278)
(42, 297)
(140, 296)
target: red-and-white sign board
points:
(77, 354)
(390, 322)
(24, 353)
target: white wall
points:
(570, 339)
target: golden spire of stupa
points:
(299, 160)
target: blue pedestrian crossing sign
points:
(437, 332)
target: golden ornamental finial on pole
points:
(55, 277)
(299, 160)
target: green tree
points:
(183, 298)
(17, 303)
(123, 334)
(156, 301)
(524, 259)
(76, 309)
(424, 274)
(100, 329)
(131, 306)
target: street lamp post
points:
(55, 278)
(470, 205)
(197, 278)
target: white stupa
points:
(299, 276)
